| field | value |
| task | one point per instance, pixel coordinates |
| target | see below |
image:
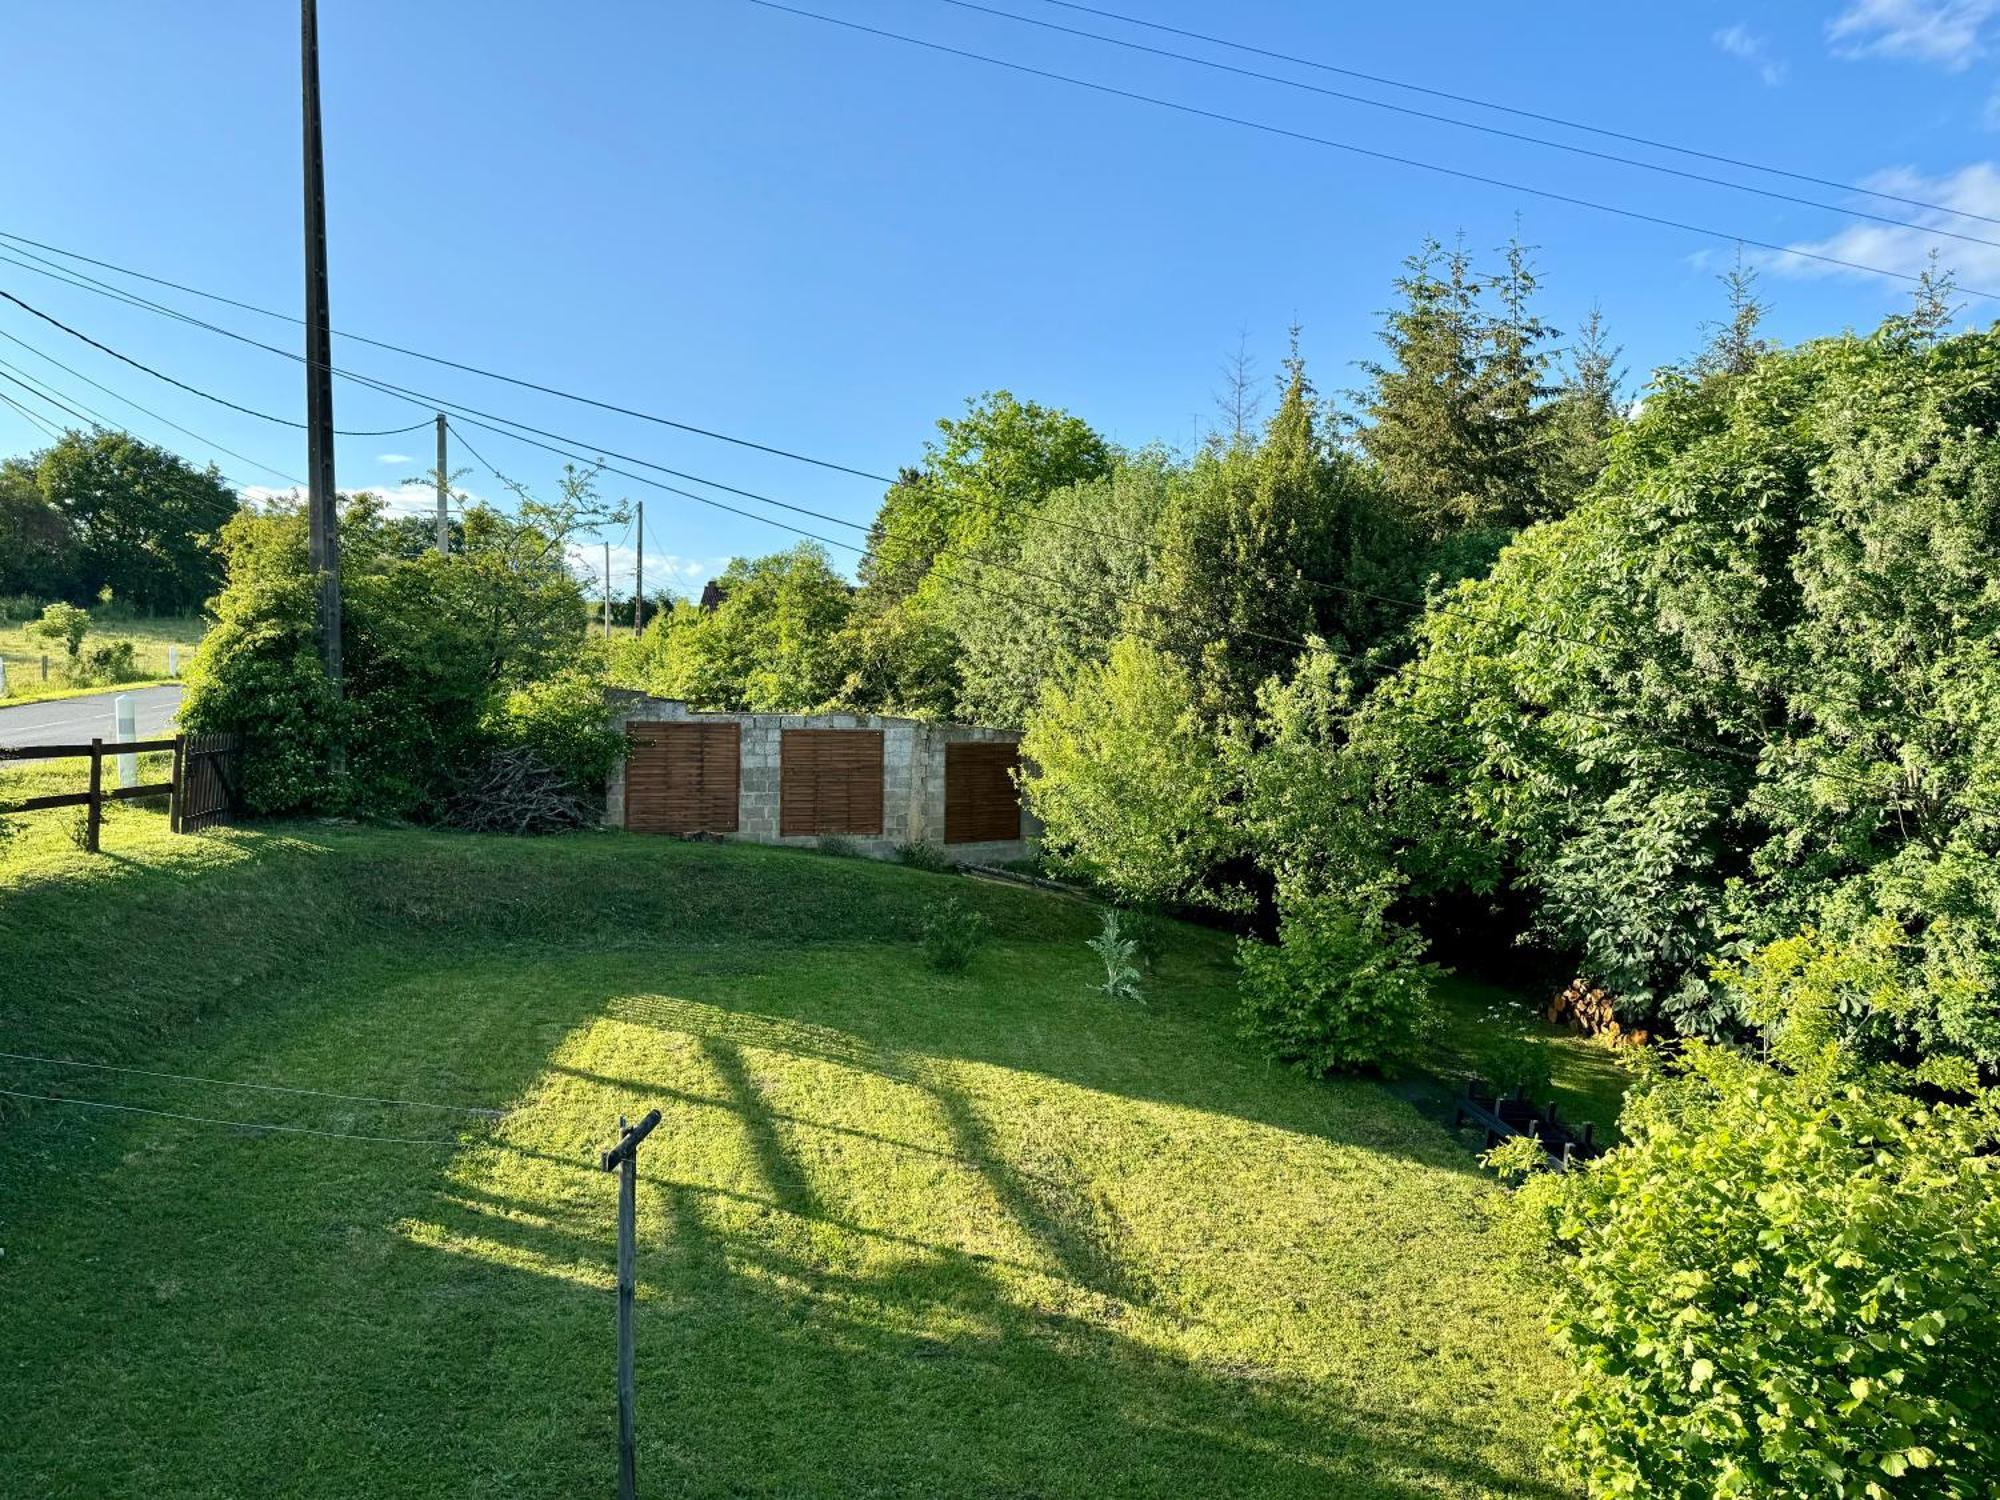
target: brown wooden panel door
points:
(829, 781)
(682, 778)
(981, 802)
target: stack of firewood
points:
(1591, 1009)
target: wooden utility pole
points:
(639, 576)
(443, 484)
(322, 514)
(623, 1159)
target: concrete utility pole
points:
(444, 516)
(639, 576)
(322, 514)
(607, 591)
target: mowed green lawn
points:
(988, 1235)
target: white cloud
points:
(1740, 42)
(407, 499)
(1973, 189)
(1945, 32)
(394, 458)
(683, 575)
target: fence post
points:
(96, 815)
(174, 797)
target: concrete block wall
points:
(913, 771)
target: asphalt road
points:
(76, 721)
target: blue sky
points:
(823, 240)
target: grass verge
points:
(23, 655)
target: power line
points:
(1525, 114)
(167, 1114)
(434, 403)
(35, 391)
(1305, 644)
(1494, 130)
(1330, 143)
(269, 1088)
(103, 423)
(427, 400)
(469, 369)
(53, 435)
(148, 411)
(194, 390)
(422, 398)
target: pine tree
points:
(1734, 346)
(1457, 419)
(1582, 418)
(1426, 423)
(1514, 366)
(1238, 400)
(1240, 549)
(1933, 307)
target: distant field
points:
(900, 1234)
(23, 653)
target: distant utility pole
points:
(322, 498)
(639, 576)
(607, 591)
(623, 1159)
(444, 517)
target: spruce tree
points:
(1584, 415)
(1735, 345)
(1514, 366)
(1426, 423)
(1933, 306)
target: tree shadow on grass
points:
(921, 1373)
(876, 1009)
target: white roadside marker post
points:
(128, 732)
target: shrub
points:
(839, 846)
(1120, 953)
(1783, 1284)
(565, 724)
(1517, 1062)
(64, 625)
(114, 661)
(951, 934)
(1343, 989)
(1515, 1159)
(921, 855)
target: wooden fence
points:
(202, 790)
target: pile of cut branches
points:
(517, 793)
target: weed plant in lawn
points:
(900, 1233)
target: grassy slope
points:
(900, 1235)
(23, 654)
(1586, 1082)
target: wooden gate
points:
(829, 781)
(211, 781)
(981, 802)
(682, 778)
